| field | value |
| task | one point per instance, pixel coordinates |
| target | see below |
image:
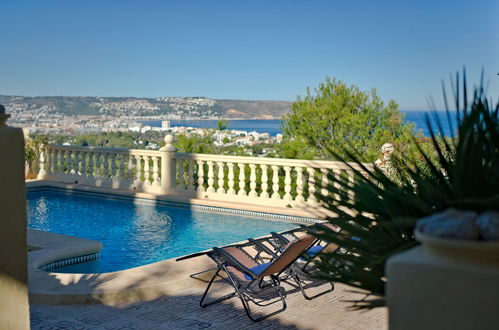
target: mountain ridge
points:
(167, 107)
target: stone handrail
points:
(264, 181)
(118, 168)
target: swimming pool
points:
(137, 233)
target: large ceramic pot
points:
(476, 252)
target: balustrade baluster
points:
(299, 184)
(138, 173)
(155, 172)
(221, 178)
(211, 180)
(287, 183)
(76, 163)
(105, 165)
(336, 184)
(91, 169)
(265, 179)
(181, 178)
(62, 166)
(200, 175)
(275, 182)
(98, 172)
(242, 180)
(121, 170)
(48, 161)
(311, 185)
(351, 182)
(230, 176)
(324, 182)
(63, 162)
(73, 163)
(147, 173)
(53, 162)
(130, 172)
(190, 175)
(252, 192)
(114, 171)
(67, 162)
(83, 164)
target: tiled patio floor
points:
(330, 311)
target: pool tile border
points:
(203, 208)
(70, 261)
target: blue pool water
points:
(136, 234)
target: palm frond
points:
(460, 171)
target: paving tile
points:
(329, 311)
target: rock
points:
(488, 225)
(451, 223)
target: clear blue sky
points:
(244, 49)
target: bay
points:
(272, 126)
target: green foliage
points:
(195, 144)
(463, 175)
(222, 124)
(295, 149)
(33, 147)
(111, 139)
(341, 116)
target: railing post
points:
(168, 170)
(42, 173)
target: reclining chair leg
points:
(230, 295)
(276, 284)
(306, 296)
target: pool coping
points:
(141, 283)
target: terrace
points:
(139, 297)
(161, 294)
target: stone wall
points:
(14, 306)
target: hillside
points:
(170, 107)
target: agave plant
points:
(460, 172)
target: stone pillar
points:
(14, 306)
(168, 164)
(433, 292)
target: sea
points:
(273, 126)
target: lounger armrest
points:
(261, 247)
(280, 237)
(231, 261)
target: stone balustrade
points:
(263, 181)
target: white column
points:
(168, 170)
(42, 173)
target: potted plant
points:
(32, 149)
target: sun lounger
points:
(250, 275)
